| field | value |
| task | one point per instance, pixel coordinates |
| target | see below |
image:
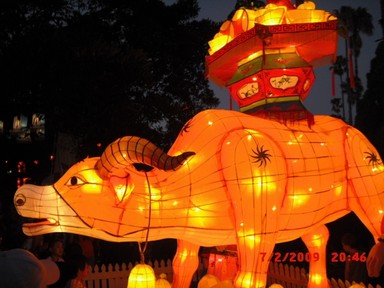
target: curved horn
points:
(130, 149)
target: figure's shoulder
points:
(324, 119)
(324, 123)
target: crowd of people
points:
(56, 266)
(73, 264)
(64, 261)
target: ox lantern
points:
(252, 182)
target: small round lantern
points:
(162, 282)
(224, 284)
(208, 281)
(142, 276)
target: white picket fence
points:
(116, 276)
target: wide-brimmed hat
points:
(20, 268)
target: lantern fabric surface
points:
(142, 276)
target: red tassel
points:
(263, 52)
(333, 82)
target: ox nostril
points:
(20, 200)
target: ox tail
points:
(130, 150)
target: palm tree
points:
(339, 68)
(353, 23)
(381, 21)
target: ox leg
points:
(185, 264)
(316, 242)
(365, 192)
(254, 252)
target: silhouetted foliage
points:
(100, 70)
(352, 24)
(369, 110)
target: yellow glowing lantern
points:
(273, 15)
(240, 21)
(142, 276)
(222, 38)
(307, 16)
(208, 281)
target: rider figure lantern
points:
(265, 57)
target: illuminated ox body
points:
(229, 178)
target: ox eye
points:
(75, 181)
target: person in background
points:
(56, 255)
(355, 268)
(20, 268)
(375, 263)
(56, 250)
(88, 249)
(79, 270)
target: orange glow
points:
(299, 200)
(272, 16)
(248, 281)
(317, 280)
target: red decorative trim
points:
(302, 27)
(333, 82)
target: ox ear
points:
(121, 186)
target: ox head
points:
(98, 197)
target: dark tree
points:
(100, 70)
(369, 112)
(353, 23)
